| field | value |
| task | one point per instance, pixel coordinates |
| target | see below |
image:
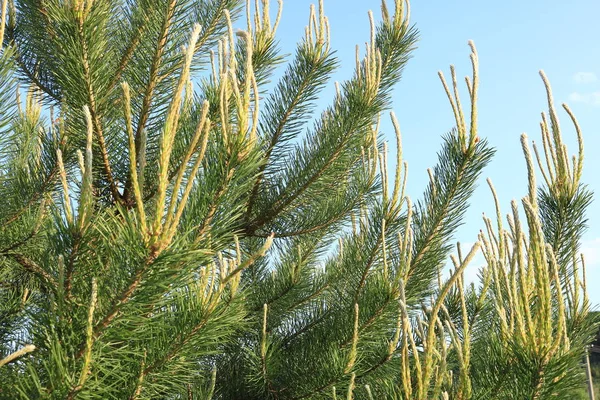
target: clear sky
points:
(515, 39)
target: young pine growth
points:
(172, 229)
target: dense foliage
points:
(171, 229)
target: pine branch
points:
(32, 76)
(445, 202)
(95, 119)
(291, 102)
(367, 267)
(46, 184)
(151, 85)
(117, 305)
(30, 266)
(287, 200)
(71, 266)
(207, 34)
(18, 243)
(179, 343)
(337, 136)
(24, 66)
(127, 55)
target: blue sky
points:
(515, 39)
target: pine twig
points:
(19, 353)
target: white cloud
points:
(576, 97)
(592, 98)
(585, 77)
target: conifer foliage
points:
(175, 226)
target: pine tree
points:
(172, 229)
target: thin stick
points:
(19, 353)
(589, 376)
